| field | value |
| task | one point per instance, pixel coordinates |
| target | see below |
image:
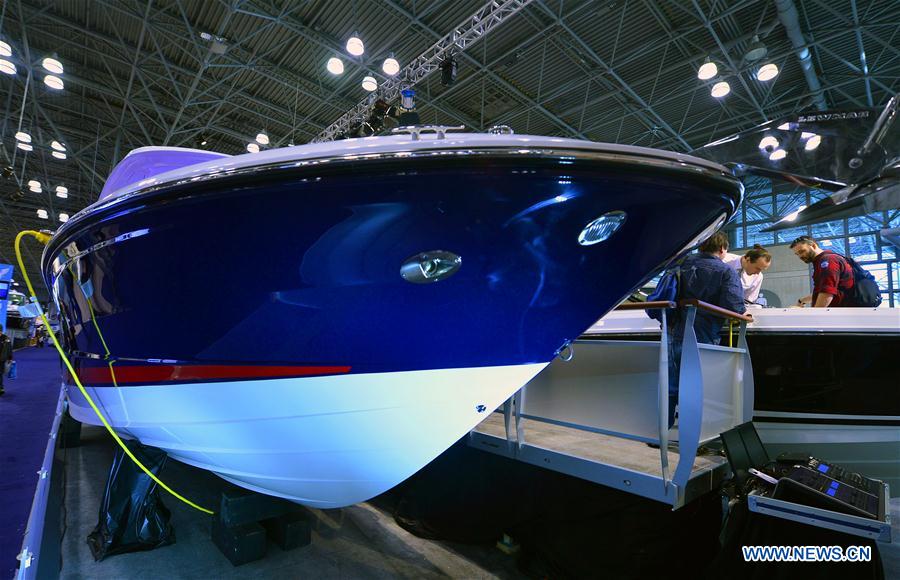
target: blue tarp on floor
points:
(26, 416)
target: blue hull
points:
(302, 266)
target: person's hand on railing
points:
(717, 310)
(804, 301)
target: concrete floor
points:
(361, 541)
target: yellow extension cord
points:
(44, 238)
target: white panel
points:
(609, 385)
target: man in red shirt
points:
(832, 274)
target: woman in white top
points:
(750, 268)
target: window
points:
(858, 236)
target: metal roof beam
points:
(862, 53)
(468, 32)
(618, 79)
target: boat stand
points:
(592, 414)
(245, 519)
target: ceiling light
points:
(767, 72)
(813, 142)
(355, 45)
(42, 213)
(34, 183)
(7, 67)
(58, 154)
(335, 65)
(62, 194)
(778, 155)
(24, 146)
(36, 189)
(52, 65)
(262, 139)
(369, 83)
(56, 145)
(390, 66)
(63, 217)
(767, 142)
(756, 51)
(53, 82)
(23, 137)
(707, 70)
(785, 126)
(720, 89)
(5, 49)
(805, 135)
(61, 189)
(253, 147)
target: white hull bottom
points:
(321, 441)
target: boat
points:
(854, 154)
(319, 322)
(824, 381)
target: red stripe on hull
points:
(174, 373)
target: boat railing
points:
(620, 388)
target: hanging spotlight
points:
(785, 126)
(390, 66)
(355, 45)
(768, 142)
(335, 65)
(63, 217)
(767, 72)
(34, 184)
(54, 82)
(62, 191)
(7, 67)
(5, 49)
(262, 138)
(42, 213)
(448, 71)
(58, 154)
(57, 146)
(23, 137)
(813, 142)
(253, 147)
(369, 83)
(777, 155)
(756, 51)
(24, 146)
(720, 89)
(52, 65)
(707, 70)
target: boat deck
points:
(624, 464)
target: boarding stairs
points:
(593, 411)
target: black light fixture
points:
(448, 71)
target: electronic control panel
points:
(813, 485)
(842, 475)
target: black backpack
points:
(865, 292)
